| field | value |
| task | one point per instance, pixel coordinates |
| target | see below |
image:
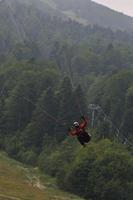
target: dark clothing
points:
(84, 138)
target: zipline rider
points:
(78, 130)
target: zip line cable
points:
(43, 110)
(77, 99)
(91, 107)
(79, 106)
(30, 101)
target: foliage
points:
(50, 70)
(35, 103)
(115, 97)
(102, 170)
(28, 157)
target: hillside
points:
(85, 12)
(34, 29)
(63, 61)
(89, 12)
(18, 182)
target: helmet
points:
(76, 124)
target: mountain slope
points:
(85, 12)
(89, 12)
(18, 183)
(30, 29)
(23, 22)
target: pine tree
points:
(43, 121)
(80, 103)
(127, 124)
(65, 114)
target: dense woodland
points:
(47, 84)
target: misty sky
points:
(125, 6)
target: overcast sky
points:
(125, 6)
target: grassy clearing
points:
(18, 182)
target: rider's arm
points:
(84, 122)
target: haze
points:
(125, 6)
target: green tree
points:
(103, 171)
(80, 103)
(43, 121)
(65, 113)
(114, 96)
(18, 106)
(127, 123)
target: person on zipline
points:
(78, 130)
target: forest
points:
(48, 84)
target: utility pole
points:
(93, 108)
